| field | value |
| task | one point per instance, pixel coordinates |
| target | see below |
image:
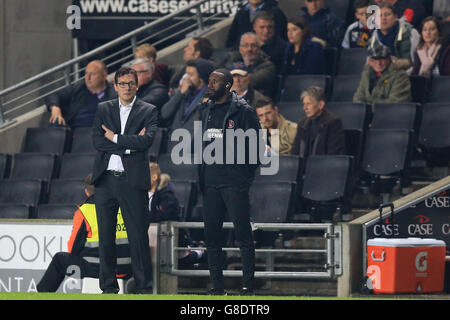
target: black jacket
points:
(239, 116)
(142, 115)
(154, 93)
(72, 98)
(242, 24)
(164, 205)
(330, 138)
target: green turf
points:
(79, 296)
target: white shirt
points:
(115, 162)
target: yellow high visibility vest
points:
(90, 214)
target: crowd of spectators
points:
(264, 48)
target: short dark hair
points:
(204, 46)
(263, 15)
(361, 4)
(124, 71)
(262, 102)
(303, 24)
(391, 7)
(88, 184)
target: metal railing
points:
(30, 93)
(332, 250)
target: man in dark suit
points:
(321, 132)
(123, 131)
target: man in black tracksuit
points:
(226, 186)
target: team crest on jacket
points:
(230, 124)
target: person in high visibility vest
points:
(83, 250)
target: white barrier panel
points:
(26, 250)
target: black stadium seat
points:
(292, 111)
(332, 58)
(76, 165)
(434, 133)
(82, 141)
(178, 171)
(271, 202)
(386, 151)
(5, 165)
(29, 192)
(440, 89)
(352, 115)
(47, 140)
(289, 170)
(33, 166)
(186, 193)
(67, 191)
(326, 187)
(395, 116)
(158, 145)
(435, 127)
(386, 159)
(418, 88)
(15, 211)
(344, 87)
(294, 85)
(56, 211)
(352, 61)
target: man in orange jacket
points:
(83, 250)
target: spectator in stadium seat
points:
(161, 72)
(324, 24)
(432, 56)
(399, 36)
(380, 81)
(272, 44)
(358, 33)
(271, 119)
(261, 69)
(83, 247)
(163, 203)
(321, 131)
(75, 105)
(411, 11)
(244, 18)
(241, 83)
(302, 54)
(150, 90)
(180, 111)
(198, 47)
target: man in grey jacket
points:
(261, 69)
(180, 110)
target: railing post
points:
(67, 76)
(133, 41)
(200, 24)
(4, 123)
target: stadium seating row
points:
(343, 87)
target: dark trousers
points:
(235, 201)
(110, 193)
(57, 270)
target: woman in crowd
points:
(302, 54)
(432, 56)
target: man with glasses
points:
(75, 105)
(261, 69)
(123, 131)
(150, 91)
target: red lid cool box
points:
(409, 265)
